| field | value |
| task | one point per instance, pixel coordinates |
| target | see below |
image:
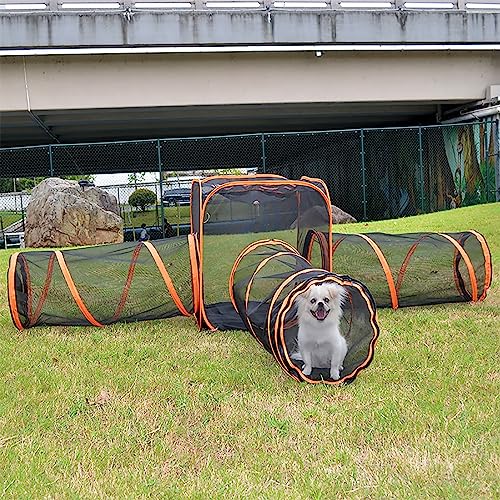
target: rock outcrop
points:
(341, 217)
(61, 213)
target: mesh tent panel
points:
(236, 213)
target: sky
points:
(111, 179)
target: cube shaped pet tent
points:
(228, 213)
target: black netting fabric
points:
(103, 284)
(414, 269)
(230, 213)
(267, 280)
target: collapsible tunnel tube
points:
(266, 280)
(104, 284)
(411, 269)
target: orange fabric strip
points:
(29, 289)
(309, 252)
(45, 291)
(128, 283)
(326, 251)
(385, 267)
(12, 291)
(73, 289)
(406, 261)
(488, 268)
(194, 273)
(166, 277)
(468, 263)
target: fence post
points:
(162, 211)
(51, 166)
(421, 170)
(263, 146)
(122, 215)
(363, 171)
(496, 156)
(22, 209)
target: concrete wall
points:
(121, 81)
(66, 29)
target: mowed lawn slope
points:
(159, 409)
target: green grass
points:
(9, 218)
(159, 409)
(152, 217)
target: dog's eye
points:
(326, 299)
(313, 301)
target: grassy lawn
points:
(9, 218)
(159, 409)
(151, 217)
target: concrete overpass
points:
(74, 74)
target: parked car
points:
(181, 196)
(11, 240)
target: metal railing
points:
(246, 5)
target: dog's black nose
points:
(320, 305)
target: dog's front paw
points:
(307, 370)
(334, 374)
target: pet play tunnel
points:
(103, 284)
(176, 276)
(265, 281)
(411, 269)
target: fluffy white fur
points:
(320, 342)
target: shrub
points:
(142, 198)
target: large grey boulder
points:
(61, 213)
(341, 217)
(316, 216)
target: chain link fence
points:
(12, 217)
(371, 173)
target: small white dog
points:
(320, 342)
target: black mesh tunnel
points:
(265, 282)
(412, 269)
(103, 284)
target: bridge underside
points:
(44, 99)
(20, 128)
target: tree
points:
(227, 171)
(136, 178)
(6, 185)
(142, 198)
